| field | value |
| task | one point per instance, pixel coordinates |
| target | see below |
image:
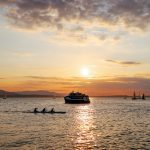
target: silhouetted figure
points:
(134, 96)
(52, 110)
(143, 97)
(35, 110)
(44, 110)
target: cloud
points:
(120, 86)
(42, 78)
(143, 74)
(85, 82)
(6, 2)
(80, 16)
(54, 12)
(125, 63)
(132, 12)
(93, 86)
(22, 54)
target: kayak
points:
(55, 112)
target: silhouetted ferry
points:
(77, 98)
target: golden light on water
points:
(85, 124)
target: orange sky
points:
(100, 47)
(92, 86)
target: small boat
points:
(77, 98)
(5, 96)
(138, 97)
(125, 97)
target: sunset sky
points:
(100, 47)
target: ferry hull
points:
(76, 101)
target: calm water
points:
(106, 123)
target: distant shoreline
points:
(45, 94)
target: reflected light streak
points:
(84, 120)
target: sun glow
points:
(85, 72)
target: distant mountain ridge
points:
(45, 93)
(38, 93)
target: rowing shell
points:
(55, 112)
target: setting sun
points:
(85, 72)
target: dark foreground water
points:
(105, 123)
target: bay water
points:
(105, 124)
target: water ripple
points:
(112, 124)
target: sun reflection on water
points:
(85, 124)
